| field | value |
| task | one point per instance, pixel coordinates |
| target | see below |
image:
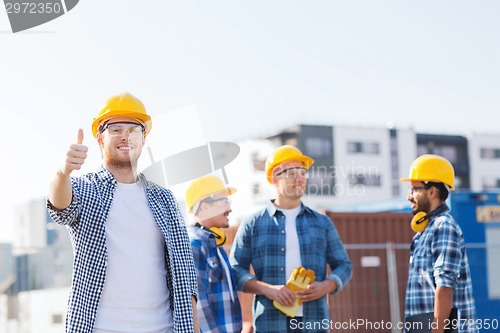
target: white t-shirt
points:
(135, 297)
(292, 245)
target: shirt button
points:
(282, 231)
(282, 249)
(282, 269)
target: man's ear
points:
(433, 192)
(99, 139)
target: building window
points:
(364, 179)
(57, 319)
(256, 189)
(447, 151)
(258, 162)
(394, 164)
(422, 149)
(490, 153)
(318, 147)
(491, 183)
(357, 147)
(290, 141)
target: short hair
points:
(441, 187)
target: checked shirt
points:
(261, 241)
(216, 311)
(85, 220)
(439, 252)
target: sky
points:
(249, 68)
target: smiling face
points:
(419, 199)
(121, 142)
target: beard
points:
(120, 162)
(122, 165)
(423, 205)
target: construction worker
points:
(129, 238)
(439, 276)
(218, 304)
(282, 237)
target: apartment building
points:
(358, 167)
(484, 159)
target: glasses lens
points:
(413, 189)
(294, 173)
(117, 129)
(219, 201)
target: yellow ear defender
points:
(419, 222)
(220, 236)
(421, 219)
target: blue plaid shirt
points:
(439, 252)
(216, 311)
(85, 219)
(261, 242)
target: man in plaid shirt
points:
(218, 304)
(439, 276)
(286, 235)
(133, 268)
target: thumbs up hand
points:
(76, 155)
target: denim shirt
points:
(261, 241)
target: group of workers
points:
(139, 266)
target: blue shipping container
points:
(478, 214)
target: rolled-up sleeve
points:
(68, 215)
(240, 255)
(447, 255)
(338, 260)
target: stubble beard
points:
(423, 206)
(121, 165)
(117, 163)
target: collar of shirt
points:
(272, 209)
(107, 177)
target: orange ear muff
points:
(220, 237)
(419, 222)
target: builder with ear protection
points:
(439, 277)
(218, 305)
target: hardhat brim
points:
(229, 190)
(306, 160)
(451, 187)
(146, 119)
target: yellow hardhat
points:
(431, 168)
(122, 105)
(283, 154)
(203, 187)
